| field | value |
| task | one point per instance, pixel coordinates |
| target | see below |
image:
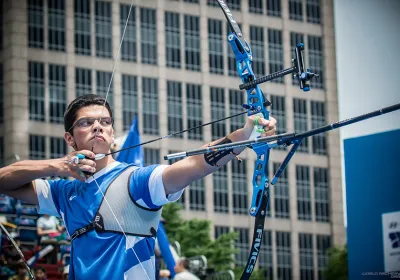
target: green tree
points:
(194, 238)
(174, 220)
(337, 267)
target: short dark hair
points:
(80, 102)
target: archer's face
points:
(88, 132)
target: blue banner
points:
(134, 155)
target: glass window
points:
(195, 107)
(313, 11)
(35, 24)
(256, 6)
(197, 195)
(37, 148)
(217, 97)
(282, 195)
(303, 193)
(284, 255)
(321, 193)
(274, 8)
(82, 27)
(56, 25)
(105, 86)
(239, 187)
(215, 46)
(172, 40)
(129, 100)
(220, 181)
(103, 18)
(266, 255)
(301, 122)
(83, 81)
(317, 120)
(36, 91)
(258, 48)
(278, 111)
(236, 101)
(150, 106)
(306, 254)
(175, 108)
(128, 19)
(192, 43)
(323, 244)
(58, 92)
(242, 245)
(275, 53)
(296, 10)
(148, 33)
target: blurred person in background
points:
(22, 273)
(40, 273)
(182, 270)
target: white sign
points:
(391, 241)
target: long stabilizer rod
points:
(285, 138)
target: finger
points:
(87, 168)
(270, 132)
(272, 121)
(270, 127)
(263, 122)
(89, 162)
(87, 154)
(74, 160)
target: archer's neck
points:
(102, 163)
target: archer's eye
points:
(106, 121)
(85, 123)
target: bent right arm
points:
(17, 179)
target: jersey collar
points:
(102, 172)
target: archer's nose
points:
(97, 127)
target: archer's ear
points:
(69, 139)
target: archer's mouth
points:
(98, 138)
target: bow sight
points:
(303, 77)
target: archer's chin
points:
(99, 147)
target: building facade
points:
(175, 70)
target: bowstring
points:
(94, 140)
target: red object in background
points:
(54, 234)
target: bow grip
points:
(82, 156)
(258, 129)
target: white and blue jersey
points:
(105, 255)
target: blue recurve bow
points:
(257, 105)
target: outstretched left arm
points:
(182, 173)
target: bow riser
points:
(255, 105)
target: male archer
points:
(112, 214)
